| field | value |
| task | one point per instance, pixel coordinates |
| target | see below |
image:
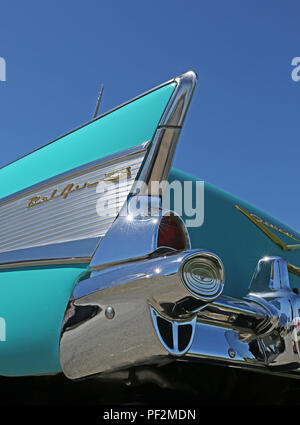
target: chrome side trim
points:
(158, 162)
(60, 253)
(43, 263)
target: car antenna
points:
(98, 101)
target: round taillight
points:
(171, 233)
(203, 276)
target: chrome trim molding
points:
(159, 158)
(158, 161)
(60, 253)
(42, 263)
(177, 108)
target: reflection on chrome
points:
(258, 331)
(145, 295)
(157, 318)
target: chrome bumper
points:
(135, 313)
(141, 313)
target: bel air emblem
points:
(71, 187)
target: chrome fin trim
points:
(60, 253)
(155, 168)
(158, 161)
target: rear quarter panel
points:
(32, 304)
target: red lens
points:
(170, 234)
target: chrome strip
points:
(40, 263)
(60, 253)
(177, 108)
(159, 158)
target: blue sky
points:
(242, 132)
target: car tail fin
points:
(49, 196)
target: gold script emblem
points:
(265, 227)
(71, 187)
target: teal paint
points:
(231, 235)
(128, 126)
(33, 303)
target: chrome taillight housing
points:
(203, 276)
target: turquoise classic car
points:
(112, 261)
